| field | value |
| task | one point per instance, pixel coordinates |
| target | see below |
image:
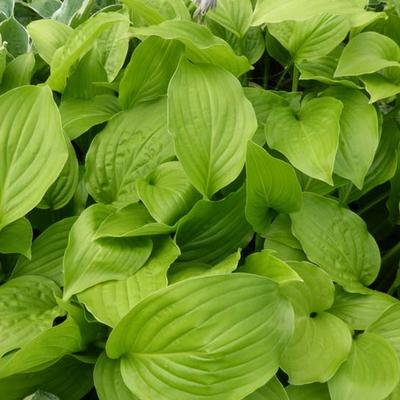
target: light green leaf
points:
(338, 241)
(195, 338)
(77, 45)
(16, 238)
(366, 53)
(33, 313)
(235, 16)
(110, 301)
(73, 12)
(212, 230)
(68, 378)
(149, 71)
(359, 135)
(271, 183)
(47, 36)
(315, 391)
(315, 37)
(47, 253)
(321, 341)
(15, 35)
(308, 137)
(27, 139)
(281, 231)
(211, 121)
(371, 372)
(130, 221)
(298, 10)
(79, 115)
(63, 189)
(266, 264)
(88, 261)
(108, 380)
(131, 146)
(273, 390)
(167, 193)
(18, 72)
(201, 45)
(383, 84)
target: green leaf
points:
(108, 380)
(16, 238)
(271, 183)
(33, 313)
(235, 16)
(77, 45)
(88, 261)
(149, 71)
(131, 146)
(212, 230)
(18, 72)
(200, 44)
(371, 372)
(68, 378)
(383, 84)
(79, 115)
(167, 193)
(195, 338)
(131, 221)
(298, 10)
(15, 35)
(315, 37)
(28, 140)
(211, 120)
(321, 341)
(72, 12)
(315, 391)
(338, 241)
(47, 253)
(273, 390)
(63, 189)
(47, 36)
(110, 301)
(266, 264)
(308, 137)
(366, 53)
(45, 8)
(359, 135)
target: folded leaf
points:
(16, 238)
(383, 84)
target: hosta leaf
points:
(167, 193)
(18, 72)
(338, 241)
(68, 378)
(63, 189)
(315, 37)
(235, 16)
(88, 261)
(371, 372)
(131, 146)
(273, 390)
(79, 115)
(309, 138)
(197, 336)
(108, 380)
(211, 121)
(278, 11)
(266, 264)
(45, 8)
(16, 238)
(72, 12)
(77, 45)
(359, 135)
(271, 183)
(34, 149)
(47, 36)
(27, 308)
(366, 53)
(47, 253)
(200, 44)
(149, 71)
(315, 391)
(110, 301)
(321, 341)
(213, 229)
(382, 85)
(15, 35)
(130, 221)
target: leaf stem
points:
(295, 79)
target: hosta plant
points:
(199, 200)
